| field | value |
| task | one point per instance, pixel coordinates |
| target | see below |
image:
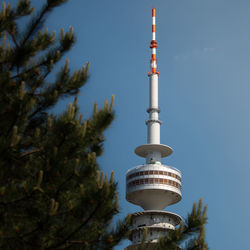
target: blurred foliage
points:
(52, 193)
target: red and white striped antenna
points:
(153, 46)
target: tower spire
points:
(153, 151)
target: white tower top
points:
(153, 185)
(153, 151)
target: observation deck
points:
(153, 186)
(157, 223)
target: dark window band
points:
(154, 180)
(151, 172)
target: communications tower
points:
(153, 185)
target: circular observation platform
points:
(160, 218)
(153, 186)
(157, 223)
(144, 150)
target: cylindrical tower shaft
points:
(153, 123)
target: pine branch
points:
(35, 24)
(30, 152)
(17, 200)
(63, 183)
(13, 39)
(77, 228)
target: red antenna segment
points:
(153, 46)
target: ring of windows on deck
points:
(154, 172)
(154, 180)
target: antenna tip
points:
(153, 12)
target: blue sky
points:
(204, 60)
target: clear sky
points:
(204, 60)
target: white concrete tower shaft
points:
(153, 123)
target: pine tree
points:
(52, 193)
